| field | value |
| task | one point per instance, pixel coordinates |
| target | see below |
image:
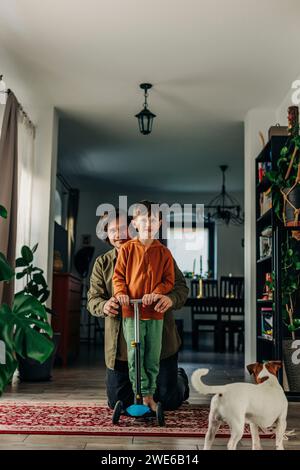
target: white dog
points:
(262, 405)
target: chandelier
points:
(223, 208)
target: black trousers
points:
(172, 384)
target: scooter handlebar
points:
(135, 301)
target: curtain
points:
(25, 181)
(9, 188)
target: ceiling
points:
(209, 62)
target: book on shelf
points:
(263, 167)
(267, 323)
(265, 247)
(265, 201)
(267, 293)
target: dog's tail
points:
(201, 387)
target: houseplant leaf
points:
(38, 346)
(28, 312)
(39, 279)
(27, 254)
(3, 212)
(34, 248)
(20, 262)
(28, 305)
(6, 335)
(33, 322)
(6, 272)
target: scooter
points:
(138, 409)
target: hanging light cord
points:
(146, 96)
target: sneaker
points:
(181, 372)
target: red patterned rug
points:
(82, 418)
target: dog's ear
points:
(252, 367)
(274, 366)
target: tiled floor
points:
(84, 380)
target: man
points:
(172, 382)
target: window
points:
(192, 247)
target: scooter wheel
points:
(117, 412)
(160, 414)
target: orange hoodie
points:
(143, 270)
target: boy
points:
(144, 268)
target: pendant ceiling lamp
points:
(224, 208)
(145, 117)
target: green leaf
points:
(45, 296)
(39, 279)
(30, 322)
(37, 269)
(28, 311)
(20, 263)
(6, 272)
(28, 305)
(32, 289)
(20, 275)
(38, 346)
(284, 151)
(3, 212)
(20, 345)
(6, 323)
(6, 335)
(27, 254)
(34, 248)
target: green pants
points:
(150, 347)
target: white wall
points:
(42, 113)
(256, 120)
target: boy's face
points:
(147, 225)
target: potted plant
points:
(30, 369)
(17, 324)
(285, 177)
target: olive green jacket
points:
(101, 290)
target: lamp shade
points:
(145, 119)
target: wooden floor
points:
(84, 380)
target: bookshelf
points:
(270, 330)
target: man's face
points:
(147, 226)
(117, 232)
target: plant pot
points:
(289, 214)
(292, 369)
(31, 370)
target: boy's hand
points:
(123, 299)
(148, 299)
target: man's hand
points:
(123, 299)
(148, 299)
(163, 304)
(111, 307)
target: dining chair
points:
(205, 311)
(232, 311)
